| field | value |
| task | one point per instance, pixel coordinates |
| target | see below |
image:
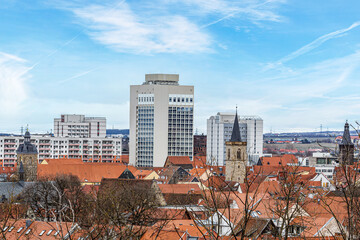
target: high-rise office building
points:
(219, 129)
(161, 120)
(74, 125)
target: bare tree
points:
(228, 204)
(288, 201)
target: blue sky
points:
(294, 63)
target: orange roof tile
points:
(179, 188)
(141, 173)
(86, 172)
(279, 161)
(178, 160)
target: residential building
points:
(200, 145)
(161, 120)
(74, 125)
(87, 149)
(219, 129)
(324, 163)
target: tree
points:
(227, 206)
(123, 209)
(57, 199)
(288, 201)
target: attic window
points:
(258, 212)
(27, 232)
(49, 232)
(42, 232)
(55, 234)
(268, 163)
(5, 228)
(11, 228)
(20, 229)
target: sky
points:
(294, 63)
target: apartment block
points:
(74, 125)
(87, 149)
(161, 120)
(219, 129)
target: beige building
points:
(75, 125)
(161, 120)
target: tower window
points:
(238, 154)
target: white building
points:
(161, 120)
(219, 129)
(74, 125)
(88, 149)
(324, 163)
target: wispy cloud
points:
(13, 75)
(254, 11)
(314, 44)
(79, 75)
(126, 31)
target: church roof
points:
(346, 140)
(235, 136)
(27, 147)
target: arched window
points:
(238, 154)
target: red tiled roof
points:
(178, 160)
(179, 188)
(86, 172)
(37, 230)
(7, 170)
(141, 173)
(279, 161)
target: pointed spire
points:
(235, 136)
(346, 140)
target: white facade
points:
(88, 149)
(324, 163)
(161, 120)
(219, 129)
(74, 125)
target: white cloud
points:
(12, 83)
(304, 98)
(255, 11)
(126, 31)
(314, 44)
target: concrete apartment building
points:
(161, 120)
(219, 129)
(94, 149)
(74, 125)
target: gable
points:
(127, 174)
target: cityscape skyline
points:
(288, 62)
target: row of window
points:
(180, 99)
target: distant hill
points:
(325, 134)
(117, 131)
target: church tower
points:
(236, 155)
(27, 160)
(346, 147)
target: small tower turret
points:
(346, 147)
